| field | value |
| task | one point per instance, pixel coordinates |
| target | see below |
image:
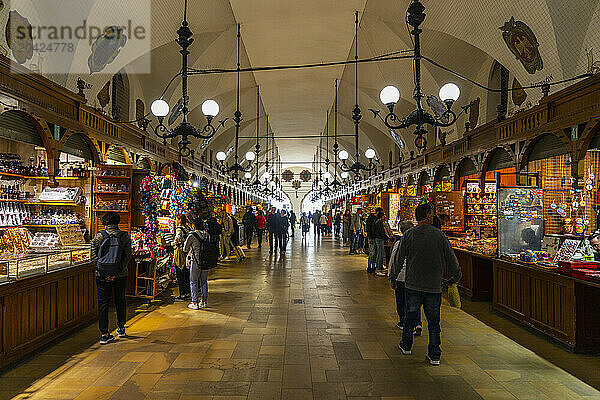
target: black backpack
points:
(110, 255)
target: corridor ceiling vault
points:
(463, 35)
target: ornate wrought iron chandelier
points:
(390, 95)
(357, 167)
(210, 108)
(236, 168)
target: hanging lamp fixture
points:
(210, 108)
(357, 167)
(236, 168)
(390, 95)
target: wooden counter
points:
(564, 308)
(38, 310)
(476, 282)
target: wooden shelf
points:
(117, 211)
(41, 203)
(24, 176)
(127, 193)
(112, 177)
(47, 226)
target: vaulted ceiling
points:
(462, 35)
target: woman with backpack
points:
(202, 248)
(182, 272)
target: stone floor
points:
(306, 324)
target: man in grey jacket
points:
(117, 283)
(427, 252)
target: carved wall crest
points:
(522, 42)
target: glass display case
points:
(520, 221)
(484, 246)
(39, 264)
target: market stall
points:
(47, 281)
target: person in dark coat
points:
(271, 227)
(292, 222)
(249, 221)
(283, 225)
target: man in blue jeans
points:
(427, 252)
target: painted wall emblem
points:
(287, 175)
(18, 37)
(522, 42)
(518, 93)
(305, 175)
(106, 48)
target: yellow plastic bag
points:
(454, 296)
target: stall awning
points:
(467, 167)
(547, 146)
(16, 126)
(77, 146)
(501, 159)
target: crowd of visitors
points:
(416, 260)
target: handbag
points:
(179, 254)
(454, 296)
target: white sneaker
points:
(193, 306)
(381, 273)
(202, 304)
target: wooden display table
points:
(40, 309)
(476, 281)
(563, 308)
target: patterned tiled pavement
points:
(307, 324)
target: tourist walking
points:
(249, 221)
(346, 226)
(271, 227)
(337, 223)
(203, 254)
(111, 250)
(227, 225)
(380, 237)
(369, 227)
(283, 225)
(427, 253)
(292, 222)
(261, 222)
(316, 220)
(305, 224)
(323, 222)
(182, 273)
(397, 282)
(355, 231)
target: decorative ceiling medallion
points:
(106, 48)
(522, 42)
(18, 37)
(287, 175)
(305, 175)
(296, 184)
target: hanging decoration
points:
(305, 175)
(287, 175)
(150, 201)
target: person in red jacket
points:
(329, 223)
(261, 222)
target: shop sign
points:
(355, 200)
(473, 187)
(490, 187)
(427, 188)
(411, 190)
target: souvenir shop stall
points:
(162, 199)
(546, 276)
(409, 200)
(476, 246)
(47, 283)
